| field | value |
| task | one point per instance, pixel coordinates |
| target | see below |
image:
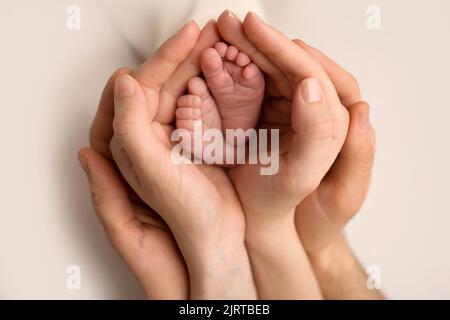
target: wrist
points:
(280, 263)
(264, 218)
(222, 272)
(333, 258)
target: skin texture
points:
(310, 142)
(134, 228)
(230, 97)
(321, 217)
(198, 237)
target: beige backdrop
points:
(51, 80)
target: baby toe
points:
(197, 86)
(232, 53)
(242, 59)
(211, 62)
(221, 48)
(188, 113)
(250, 71)
(189, 101)
(187, 124)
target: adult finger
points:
(295, 62)
(230, 27)
(132, 122)
(345, 83)
(190, 67)
(347, 183)
(108, 194)
(154, 72)
(125, 225)
(101, 129)
(313, 148)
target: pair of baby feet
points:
(229, 96)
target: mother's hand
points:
(136, 232)
(197, 202)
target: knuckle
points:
(97, 199)
(358, 107)
(352, 92)
(124, 124)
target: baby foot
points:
(237, 88)
(236, 84)
(197, 106)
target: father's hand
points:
(321, 217)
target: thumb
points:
(132, 120)
(313, 147)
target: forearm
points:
(280, 265)
(340, 274)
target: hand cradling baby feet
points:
(229, 96)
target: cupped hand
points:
(137, 233)
(197, 202)
(298, 88)
(321, 216)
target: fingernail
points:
(83, 163)
(363, 119)
(232, 14)
(251, 13)
(311, 90)
(124, 87)
(186, 25)
(190, 21)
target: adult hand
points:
(297, 88)
(343, 188)
(317, 125)
(322, 215)
(161, 80)
(136, 232)
(198, 203)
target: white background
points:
(51, 79)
